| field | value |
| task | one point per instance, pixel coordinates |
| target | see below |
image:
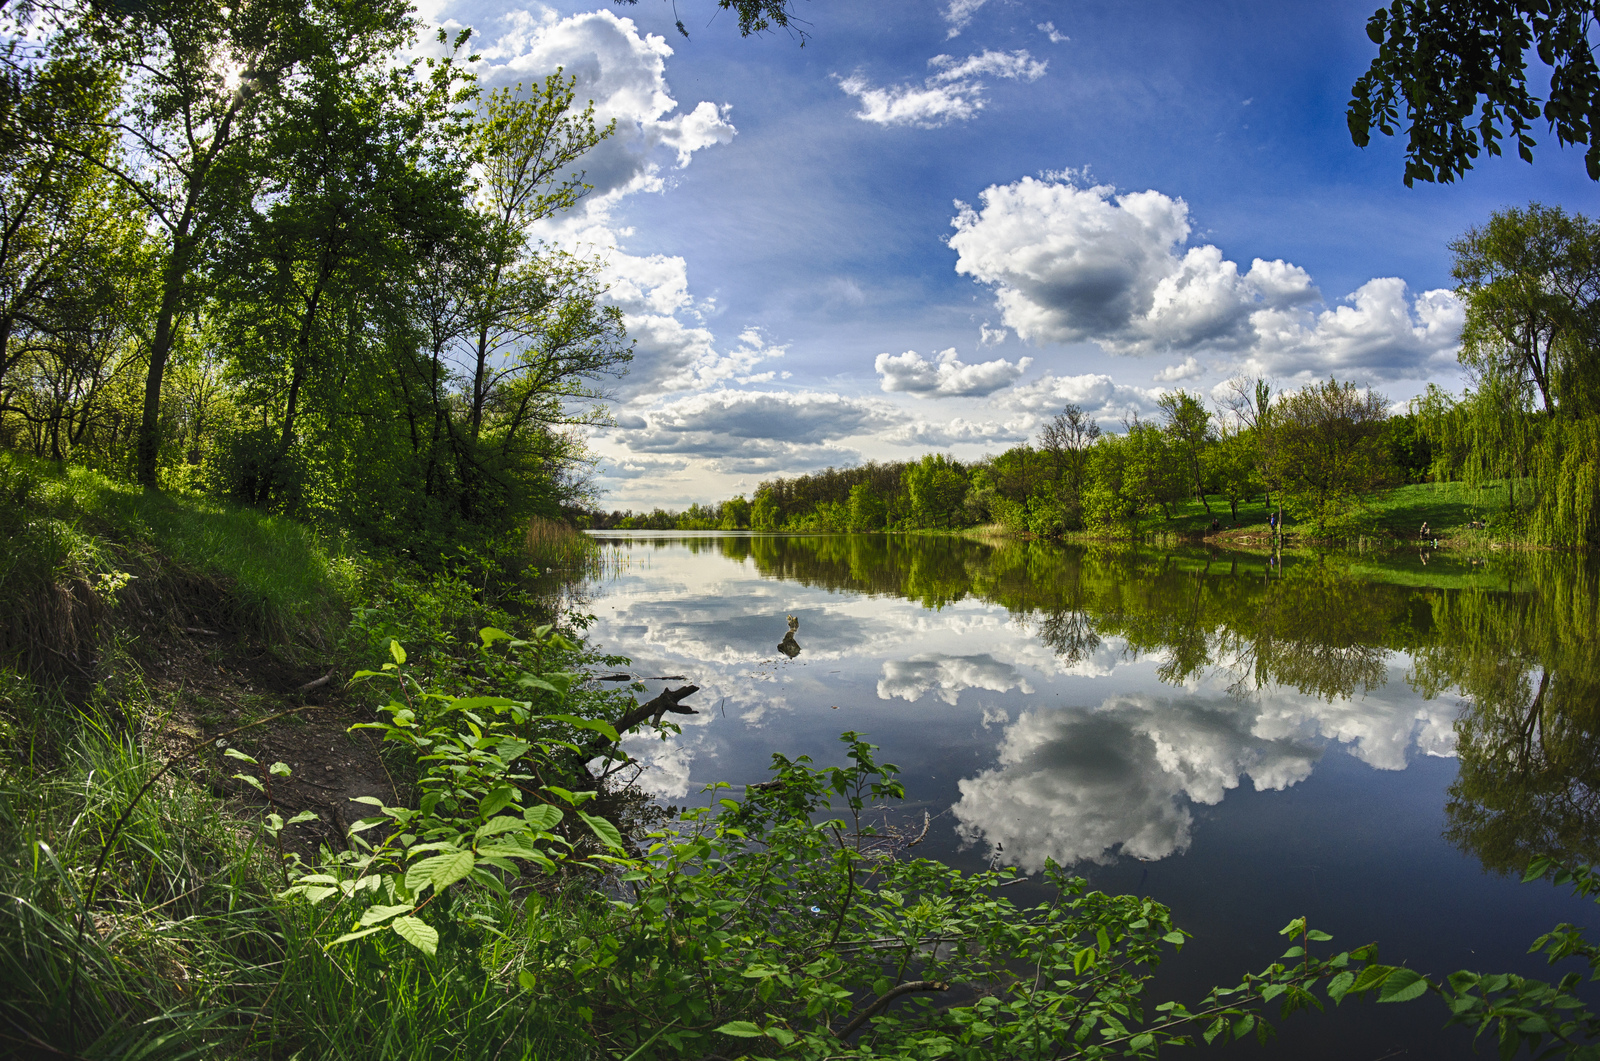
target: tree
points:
(1189, 424)
(867, 510)
(1067, 439)
(1249, 403)
(1531, 283)
(1231, 464)
(1332, 448)
(1459, 70)
(936, 489)
(204, 81)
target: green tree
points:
(1459, 68)
(735, 514)
(1188, 422)
(1231, 465)
(867, 509)
(204, 83)
(764, 512)
(936, 488)
(1067, 439)
(1530, 280)
(1332, 448)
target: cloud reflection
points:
(911, 679)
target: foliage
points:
(1460, 71)
(1332, 449)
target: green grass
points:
(71, 525)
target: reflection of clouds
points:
(666, 765)
(911, 679)
(1075, 783)
(1381, 732)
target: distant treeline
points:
(1314, 452)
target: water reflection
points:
(1264, 669)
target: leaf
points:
(607, 832)
(490, 635)
(303, 816)
(741, 1029)
(348, 936)
(475, 703)
(418, 933)
(1402, 985)
(439, 870)
(397, 653)
(496, 801)
(382, 913)
(543, 817)
(1318, 935)
(255, 783)
(599, 726)
(1339, 986)
(502, 824)
(235, 753)
(526, 979)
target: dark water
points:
(1377, 744)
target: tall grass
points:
(549, 543)
(73, 536)
(185, 952)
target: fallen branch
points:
(315, 683)
(665, 701)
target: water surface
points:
(1372, 742)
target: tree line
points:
(1315, 453)
(252, 250)
(1525, 432)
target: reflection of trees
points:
(1529, 739)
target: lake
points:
(1377, 743)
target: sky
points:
(929, 226)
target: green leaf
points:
(741, 1029)
(605, 729)
(235, 753)
(1339, 986)
(439, 870)
(525, 978)
(303, 816)
(496, 801)
(607, 832)
(1174, 937)
(397, 653)
(491, 634)
(543, 817)
(502, 824)
(382, 913)
(348, 936)
(1318, 935)
(1402, 985)
(1142, 1041)
(418, 933)
(251, 781)
(279, 770)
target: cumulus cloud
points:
(988, 336)
(786, 416)
(1071, 262)
(624, 73)
(913, 678)
(946, 376)
(1376, 335)
(1049, 29)
(1188, 368)
(1096, 394)
(953, 92)
(952, 432)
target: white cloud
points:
(1377, 335)
(624, 73)
(959, 15)
(1049, 29)
(1098, 395)
(946, 376)
(988, 336)
(1188, 368)
(1075, 262)
(957, 431)
(788, 416)
(953, 92)
(912, 679)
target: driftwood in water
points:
(668, 700)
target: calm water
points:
(1371, 743)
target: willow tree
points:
(1530, 281)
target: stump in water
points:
(789, 646)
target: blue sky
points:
(935, 223)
